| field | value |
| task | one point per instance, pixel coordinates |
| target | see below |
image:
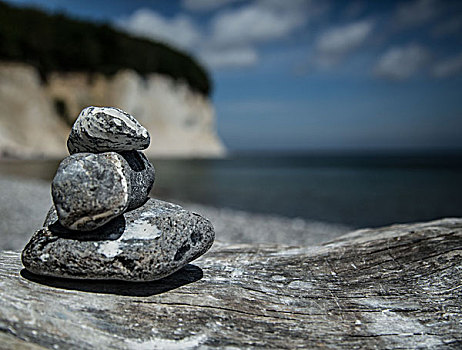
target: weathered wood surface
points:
(394, 287)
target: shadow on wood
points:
(188, 274)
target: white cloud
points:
(448, 67)
(232, 35)
(400, 63)
(237, 32)
(334, 44)
(416, 12)
(205, 5)
(180, 31)
(255, 23)
(233, 57)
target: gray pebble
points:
(91, 189)
(147, 244)
(142, 176)
(52, 216)
(103, 129)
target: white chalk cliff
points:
(181, 122)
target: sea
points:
(358, 190)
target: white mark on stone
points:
(44, 257)
(110, 249)
(113, 112)
(124, 181)
(141, 229)
(85, 219)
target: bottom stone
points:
(146, 244)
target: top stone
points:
(103, 129)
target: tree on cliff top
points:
(58, 43)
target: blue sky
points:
(313, 74)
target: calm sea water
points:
(358, 191)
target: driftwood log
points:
(393, 287)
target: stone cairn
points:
(103, 225)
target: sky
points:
(312, 75)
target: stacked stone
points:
(103, 225)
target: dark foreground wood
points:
(393, 287)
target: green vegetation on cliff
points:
(58, 43)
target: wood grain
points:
(392, 287)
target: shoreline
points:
(25, 203)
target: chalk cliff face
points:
(35, 118)
(29, 126)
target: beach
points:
(25, 202)
(291, 199)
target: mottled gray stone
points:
(91, 189)
(146, 244)
(102, 129)
(142, 176)
(52, 216)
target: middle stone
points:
(91, 189)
